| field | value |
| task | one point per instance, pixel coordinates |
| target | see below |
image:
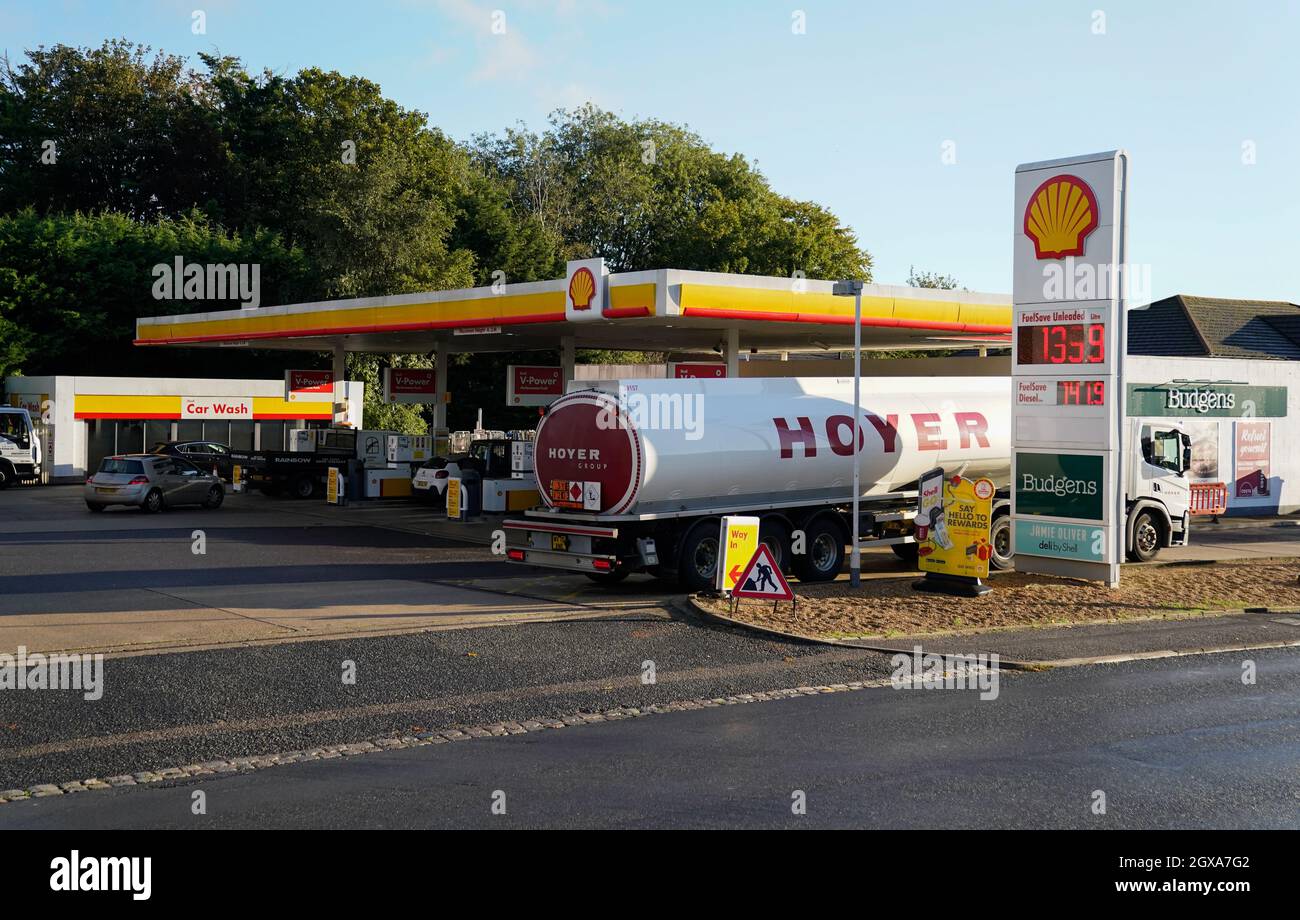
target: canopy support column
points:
(568, 358)
(441, 355)
(341, 387)
(731, 351)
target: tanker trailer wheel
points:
(823, 553)
(697, 566)
(773, 533)
(1003, 555)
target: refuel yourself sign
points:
(1068, 344)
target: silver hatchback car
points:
(151, 482)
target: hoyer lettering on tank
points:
(573, 453)
(972, 431)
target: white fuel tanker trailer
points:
(635, 474)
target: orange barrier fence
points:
(1209, 498)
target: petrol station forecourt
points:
(750, 327)
(771, 338)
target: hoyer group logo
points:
(1060, 215)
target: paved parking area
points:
(1238, 539)
(270, 570)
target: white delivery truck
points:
(20, 448)
(635, 474)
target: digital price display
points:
(1062, 343)
(1081, 392)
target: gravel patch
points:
(886, 608)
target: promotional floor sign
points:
(953, 526)
(737, 542)
(762, 579)
(453, 498)
(334, 487)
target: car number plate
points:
(102, 491)
(559, 542)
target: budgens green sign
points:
(1205, 400)
(1059, 485)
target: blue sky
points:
(854, 112)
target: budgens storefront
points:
(1243, 419)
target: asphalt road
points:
(1173, 743)
(176, 709)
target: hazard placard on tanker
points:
(952, 533)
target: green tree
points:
(650, 194)
(71, 287)
(930, 280)
(105, 129)
(337, 191)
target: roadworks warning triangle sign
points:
(762, 578)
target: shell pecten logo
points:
(1059, 216)
(582, 287)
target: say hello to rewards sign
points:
(952, 525)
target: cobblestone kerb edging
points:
(494, 730)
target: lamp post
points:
(854, 289)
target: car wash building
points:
(81, 420)
(1229, 370)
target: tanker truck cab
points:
(1158, 491)
(20, 449)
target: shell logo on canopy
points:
(582, 288)
(1060, 215)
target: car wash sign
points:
(216, 408)
(1068, 344)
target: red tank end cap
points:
(576, 445)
